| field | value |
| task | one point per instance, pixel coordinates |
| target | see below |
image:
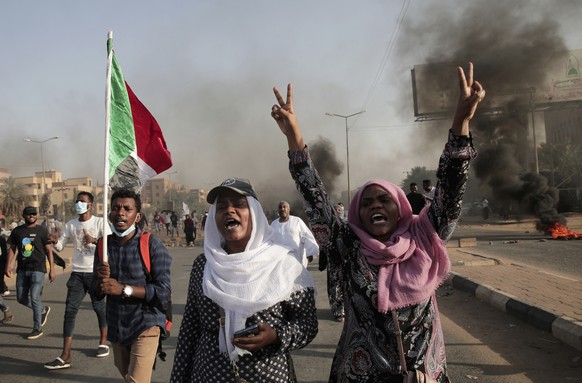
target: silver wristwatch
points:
(127, 291)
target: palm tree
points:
(12, 195)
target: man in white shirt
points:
(292, 232)
(428, 191)
(83, 233)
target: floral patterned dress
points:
(367, 350)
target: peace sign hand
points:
(471, 94)
(286, 119)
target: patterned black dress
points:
(198, 359)
(367, 350)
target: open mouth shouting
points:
(378, 218)
(120, 223)
(231, 224)
(233, 220)
(378, 212)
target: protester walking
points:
(30, 244)
(392, 261)
(83, 232)
(292, 232)
(136, 301)
(250, 302)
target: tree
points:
(417, 174)
(13, 198)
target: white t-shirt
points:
(295, 234)
(429, 194)
(74, 232)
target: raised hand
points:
(471, 94)
(286, 119)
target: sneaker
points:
(36, 333)
(8, 317)
(6, 293)
(57, 364)
(45, 313)
(102, 351)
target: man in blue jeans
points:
(83, 233)
(33, 244)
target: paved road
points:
(482, 342)
(519, 242)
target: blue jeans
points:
(3, 306)
(78, 285)
(28, 292)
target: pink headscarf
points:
(413, 262)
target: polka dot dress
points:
(197, 358)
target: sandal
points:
(57, 364)
(102, 351)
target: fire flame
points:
(559, 231)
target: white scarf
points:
(248, 282)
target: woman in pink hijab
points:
(392, 261)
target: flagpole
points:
(107, 130)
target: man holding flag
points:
(136, 297)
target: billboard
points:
(435, 86)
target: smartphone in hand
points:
(246, 332)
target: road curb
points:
(565, 329)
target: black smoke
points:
(329, 168)
(510, 51)
(326, 162)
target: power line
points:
(387, 52)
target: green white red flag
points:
(136, 148)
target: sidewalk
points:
(548, 301)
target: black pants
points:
(3, 286)
(189, 235)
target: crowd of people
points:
(250, 297)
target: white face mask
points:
(81, 207)
(128, 231)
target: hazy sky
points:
(205, 69)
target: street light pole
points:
(533, 128)
(170, 182)
(41, 160)
(347, 147)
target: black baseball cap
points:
(239, 185)
(29, 210)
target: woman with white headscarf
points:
(391, 261)
(243, 279)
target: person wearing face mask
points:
(243, 279)
(83, 233)
(135, 302)
(392, 261)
